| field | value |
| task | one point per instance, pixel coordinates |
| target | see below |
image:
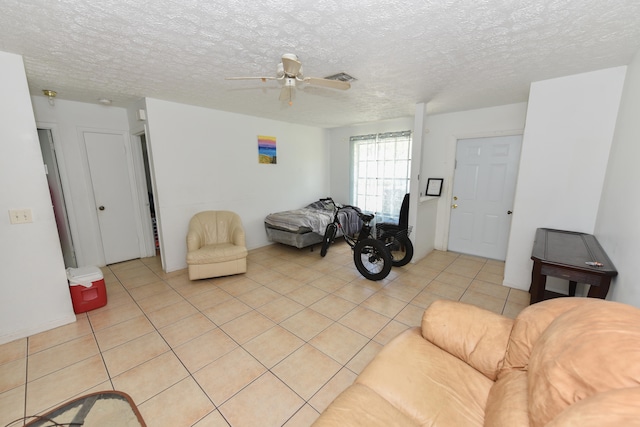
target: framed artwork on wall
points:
(267, 149)
(434, 187)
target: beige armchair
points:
(216, 245)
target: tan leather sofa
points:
(216, 245)
(562, 362)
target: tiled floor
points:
(271, 347)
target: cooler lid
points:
(84, 275)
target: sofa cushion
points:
(426, 383)
(612, 408)
(507, 402)
(220, 252)
(359, 406)
(592, 348)
(476, 336)
(527, 328)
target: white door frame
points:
(66, 189)
(450, 162)
(136, 130)
(135, 195)
(148, 246)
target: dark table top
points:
(571, 249)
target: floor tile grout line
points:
(504, 304)
(190, 374)
(104, 362)
(306, 401)
(304, 280)
(171, 348)
(27, 361)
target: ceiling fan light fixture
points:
(51, 94)
(287, 92)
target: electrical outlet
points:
(27, 215)
(20, 216)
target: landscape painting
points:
(267, 149)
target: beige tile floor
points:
(271, 347)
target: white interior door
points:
(483, 192)
(112, 189)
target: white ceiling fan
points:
(289, 71)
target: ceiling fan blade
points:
(251, 78)
(334, 84)
(291, 65)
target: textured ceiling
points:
(451, 54)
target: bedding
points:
(304, 227)
(313, 217)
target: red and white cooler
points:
(86, 285)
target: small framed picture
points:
(434, 187)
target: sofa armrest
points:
(194, 241)
(472, 334)
(238, 236)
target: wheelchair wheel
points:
(372, 259)
(329, 235)
(399, 246)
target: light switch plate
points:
(20, 216)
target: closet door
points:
(114, 195)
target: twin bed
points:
(305, 227)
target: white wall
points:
(439, 153)
(422, 209)
(570, 124)
(618, 222)
(34, 294)
(66, 119)
(206, 159)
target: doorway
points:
(484, 185)
(52, 172)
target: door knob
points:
(101, 208)
(454, 206)
(509, 212)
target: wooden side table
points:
(565, 254)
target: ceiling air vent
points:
(343, 77)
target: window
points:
(381, 167)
